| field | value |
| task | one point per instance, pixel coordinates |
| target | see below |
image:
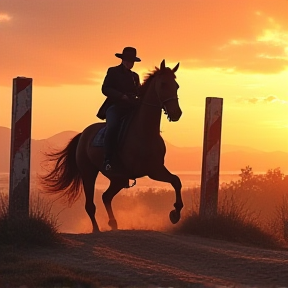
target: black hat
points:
(129, 54)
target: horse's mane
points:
(150, 76)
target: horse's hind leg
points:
(89, 186)
(115, 186)
(163, 175)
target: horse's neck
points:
(148, 118)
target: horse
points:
(140, 154)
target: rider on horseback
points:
(120, 86)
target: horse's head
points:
(166, 89)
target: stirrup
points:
(108, 167)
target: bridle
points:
(161, 102)
(162, 105)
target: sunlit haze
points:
(236, 50)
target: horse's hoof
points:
(174, 216)
(95, 229)
(113, 224)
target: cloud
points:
(268, 99)
(68, 41)
(4, 17)
(271, 99)
(246, 41)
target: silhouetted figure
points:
(79, 163)
(121, 88)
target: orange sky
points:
(237, 50)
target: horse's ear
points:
(176, 67)
(162, 65)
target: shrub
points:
(40, 228)
(278, 225)
(236, 219)
(234, 222)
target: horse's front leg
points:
(163, 175)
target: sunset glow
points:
(236, 50)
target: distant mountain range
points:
(233, 158)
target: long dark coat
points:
(118, 81)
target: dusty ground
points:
(156, 259)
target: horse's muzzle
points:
(176, 116)
(172, 109)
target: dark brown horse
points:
(141, 153)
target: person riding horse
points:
(120, 86)
(79, 163)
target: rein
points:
(161, 106)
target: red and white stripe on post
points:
(20, 147)
(211, 157)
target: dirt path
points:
(149, 258)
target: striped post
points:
(211, 157)
(20, 148)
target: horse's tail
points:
(65, 178)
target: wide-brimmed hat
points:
(128, 54)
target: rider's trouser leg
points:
(113, 122)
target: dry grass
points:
(25, 234)
(237, 219)
(223, 227)
(278, 225)
(39, 229)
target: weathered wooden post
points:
(20, 147)
(211, 157)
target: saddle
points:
(98, 140)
